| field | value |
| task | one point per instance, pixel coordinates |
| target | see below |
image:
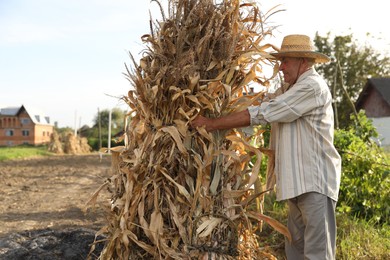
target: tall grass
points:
(361, 239)
(22, 152)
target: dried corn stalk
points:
(182, 193)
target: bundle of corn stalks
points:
(177, 192)
(55, 145)
(75, 144)
(68, 143)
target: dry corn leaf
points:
(272, 222)
(156, 226)
(181, 188)
(208, 226)
(176, 136)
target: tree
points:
(117, 119)
(117, 125)
(351, 64)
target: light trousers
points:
(312, 224)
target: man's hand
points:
(234, 120)
(200, 121)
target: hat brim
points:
(318, 57)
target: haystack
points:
(182, 193)
(75, 145)
(55, 145)
(84, 146)
(68, 143)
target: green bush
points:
(94, 143)
(365, 180)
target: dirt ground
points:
(51, 192)
(42, 204)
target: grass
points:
(21, 152)
(360, 239)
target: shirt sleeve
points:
(256, 118)
(291, 105)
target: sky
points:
(66, 58)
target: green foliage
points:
(117, 119)
(357, 63)
(98, 134)
(23, 151)
(94, 143)
(365, 181)
(64, 130)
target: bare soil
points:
(49, 194)
(42, 207)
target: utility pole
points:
(99, 130)
(75, 123)
(109, 130)
(79, 126)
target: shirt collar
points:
(306, 74)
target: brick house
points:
(21, 125)
(375, 100)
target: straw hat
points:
(299, 46)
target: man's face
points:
(290, 68)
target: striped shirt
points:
(302, 131)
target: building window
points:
(25, 132)
(25, 121)
(9, 132)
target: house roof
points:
(9, 111)
(382, 85)
(37, 116)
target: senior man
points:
(307, 165)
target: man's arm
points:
(234, 120)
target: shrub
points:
(365, 181)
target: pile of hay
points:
(76, 145)
(55, 145)
(182, 193)
(68, 143)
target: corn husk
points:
(182, 193)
